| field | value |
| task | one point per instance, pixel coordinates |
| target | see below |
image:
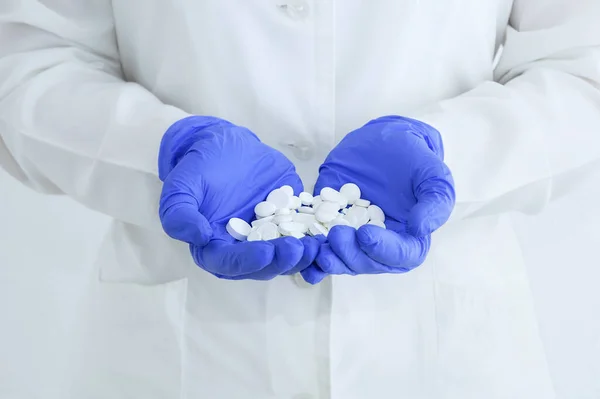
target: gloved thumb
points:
(313, 274)
(434, 191)
(182, 221)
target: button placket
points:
(302, 150)
(296, 10)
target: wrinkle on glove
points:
(398, 164)
(213, 171)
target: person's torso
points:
(302, 76)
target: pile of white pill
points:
(283, 214)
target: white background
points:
(47, 246)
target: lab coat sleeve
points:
(533, 133)
(69, 122)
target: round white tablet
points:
(282, 219)
(264, 209)
(297, 234)
(316, 201)
(306, 209)
(317, 228)
(362, 203)
(306, 198)
(268, 231)
(376, 213)
(351, 192)
(327, 211)
(343, 202)
(238, 228)
(352, 220)
(260, 221)
(288, 228)
(295, 203)
(377, 223)
(338, 221)
(328, 194)
(279, 198)
(304, 218)
(288, 190)
(362, 214)
(357, 216)
(282, 211)
(254, 235)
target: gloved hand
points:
(212, 171)
(398, 164)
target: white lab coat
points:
(88, 87)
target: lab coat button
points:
(296, 10)
(302, 150)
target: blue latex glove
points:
(212, 171)
(398, 164)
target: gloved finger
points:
(344, 244)
(394, 225)
(296, 183)
(329, 177)
(313, 274)
(401, 251)
(433, 188)
(329, 262)
(181, 219)
(288, 252)
(179, 207)
(311, 249)
(227, 259)
(179, 138)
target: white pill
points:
(327, 211)
(268, 231)
(328, 194)
(317, 228)
(288, 190)
(376, 213)
(295, 203)
(343, 202)
(377, 223)
(316, 201)
(279, 198)
(352, 220)
(363, 216)
(362, 202)
(357, 210)
(254, 235)
(351, 192)
(297, 235)
(306, 209)
(344, 211)
(283, 219)
(264, 209)
(260, 221)
(288, 228)
(304, 218)
(283, 211)
(357, 216)
(304, 228)
(238, 228)
(338, 221)
(306, 198)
